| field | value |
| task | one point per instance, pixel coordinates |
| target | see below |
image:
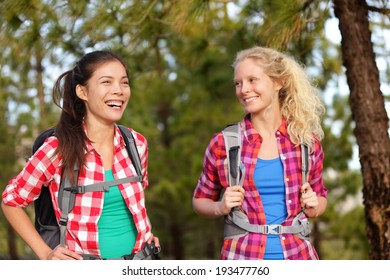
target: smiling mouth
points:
(250, 99)
(114, 104)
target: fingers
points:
(155, 240)
(233, 197)
(306, 188)
(151, 238)
(157, 244)
(63, 253)
(309, 198)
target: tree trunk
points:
(371, 120)
(177, 239)
(41, 94)
(316, 238)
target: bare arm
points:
(23, 225)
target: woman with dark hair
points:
(92, 96)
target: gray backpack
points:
(236, 222)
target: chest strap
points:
(237, 224)
(102, 186)
(68, 197)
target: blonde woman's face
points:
(255, 90)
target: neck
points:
(266, 125)
(102, 137)
(100, 133)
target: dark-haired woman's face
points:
(106, 94)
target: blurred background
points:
(179, 54)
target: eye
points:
(105, 82)
(236, 83)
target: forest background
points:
(179, 54)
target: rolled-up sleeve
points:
(26, 186)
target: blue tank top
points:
(268, 178)
(116, 228)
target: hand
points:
(309, 200)
(233, 197)
(156, 242)
(63, 253)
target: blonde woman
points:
(283, 111)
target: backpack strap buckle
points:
(272, 229)
(75, 189)
(63, 221)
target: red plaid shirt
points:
(82, 235)
(214, 178)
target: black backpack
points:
(45, 220)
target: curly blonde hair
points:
(299, 99)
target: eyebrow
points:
(112, 77)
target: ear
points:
(278, 85)
(81, 92)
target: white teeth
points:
(114, 103)
(249, 99)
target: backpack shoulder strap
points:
(305, 169)
(66, 199)
(305, 162)
(232, 137)
(67, 191)
(131, 148)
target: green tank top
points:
(116, 228)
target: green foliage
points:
(345, 239)
(338, 135)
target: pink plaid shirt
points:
(214, 178)
(82, 235)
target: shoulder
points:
(316, 150)
(49, 144)
(138, 137)
(218, 139)
(137, 134)
(216, 147)
(45, 155)
(316, 146)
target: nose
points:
(245, 87)
(117, 88)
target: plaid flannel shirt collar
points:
(251, 133)
(119, 142)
